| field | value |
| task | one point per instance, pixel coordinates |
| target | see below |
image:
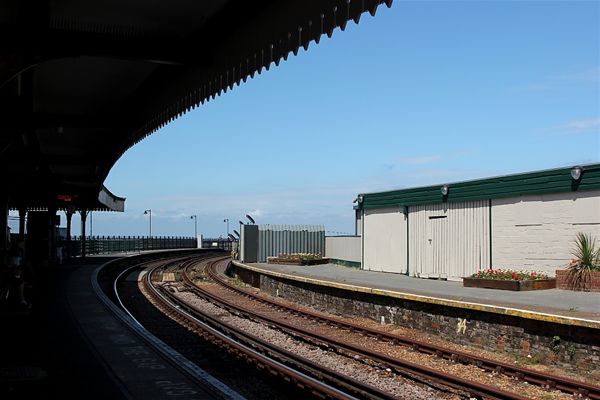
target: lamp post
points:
(195, 218)
(227, 220)
(149, 212)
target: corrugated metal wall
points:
(278, 239)
(449, 240)
(385, 240)
(345, 248)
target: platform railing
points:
(125, 244)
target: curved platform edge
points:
(482, 307)
(140, 364)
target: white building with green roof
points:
(449, 231)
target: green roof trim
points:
(530, 183)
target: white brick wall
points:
(537, 232)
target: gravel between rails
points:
(467, 371)
(385, 380)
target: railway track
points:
(167, 371)
(313, 378)
(331, 378)
(471, 389)
(576, 388)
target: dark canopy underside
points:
(83, 81)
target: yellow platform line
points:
(515, 312)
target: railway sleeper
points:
(582, 393)
(518, 376)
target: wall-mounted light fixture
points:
(576, 173)
(360, 198)
(444, 189)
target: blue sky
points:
(425, 92)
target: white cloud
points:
(419, 159)
(588, 75)
(305, 203)
(256, 213)
(579, 126)
(560, 81)
(423, 159)
(582, 124)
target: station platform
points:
(69, 346)
(552, 305)
(44, 354)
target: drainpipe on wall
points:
(407, 241)
(362, 239)
(490, 235)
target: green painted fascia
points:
(530, 183)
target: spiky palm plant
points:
(587, 259)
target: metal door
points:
(436, 265)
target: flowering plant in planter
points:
(509, 274)
(587, 260)
(300, 256)
(298, 259)
(508, 279)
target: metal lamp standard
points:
(149, 212)
(195, 218)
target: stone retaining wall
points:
(572, 348)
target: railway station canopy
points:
(83, 81)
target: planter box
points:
(549, 283)
(562, 281)
(297, 262)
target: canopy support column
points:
(22, 215)
(69, 214)
(4, 236)
(84, 213)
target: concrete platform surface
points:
(563, 306)
(45, 355)
(68, 345)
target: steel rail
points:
(145, 264)
(544, 380)
(230, 338)
(402, 367)
(207, 383)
